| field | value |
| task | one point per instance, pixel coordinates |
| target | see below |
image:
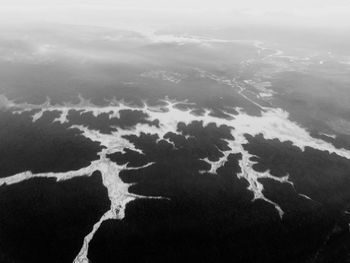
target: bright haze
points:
(160, 13)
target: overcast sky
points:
(118, 13)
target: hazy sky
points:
(178, 12)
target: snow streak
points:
(272, 124)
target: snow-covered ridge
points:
(272, 124)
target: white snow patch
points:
(273, 123)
